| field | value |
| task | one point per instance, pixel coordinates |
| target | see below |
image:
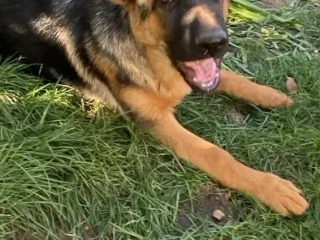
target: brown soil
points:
(201, 208)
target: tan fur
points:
(171, 83)
(149, 32)
(157, 87)
(259, 95)
(158, 107)
(225, 8)
(279, 194)
(121, 2)
(202, 14)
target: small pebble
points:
(218, 214)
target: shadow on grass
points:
(67, 173)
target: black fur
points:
(104, 26)
(17, 35)
(182, 38)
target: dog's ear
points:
(144, 7)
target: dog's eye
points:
(166, 1)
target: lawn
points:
(69, 170)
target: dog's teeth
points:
(206, 85)
(195, 80)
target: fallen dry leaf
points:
(292, 86)
(218, 214)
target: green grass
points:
(67, 172)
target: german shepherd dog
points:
(143, 57)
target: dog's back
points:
(31, 28)
(17, 35)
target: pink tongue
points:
(204, 70)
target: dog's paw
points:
(272, 98)
(281, 195)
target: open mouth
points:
(202, 74)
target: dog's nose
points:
(212, 41)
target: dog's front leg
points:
(259, 95)
(279, 194)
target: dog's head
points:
(193, 31)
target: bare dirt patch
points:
(209, 203)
